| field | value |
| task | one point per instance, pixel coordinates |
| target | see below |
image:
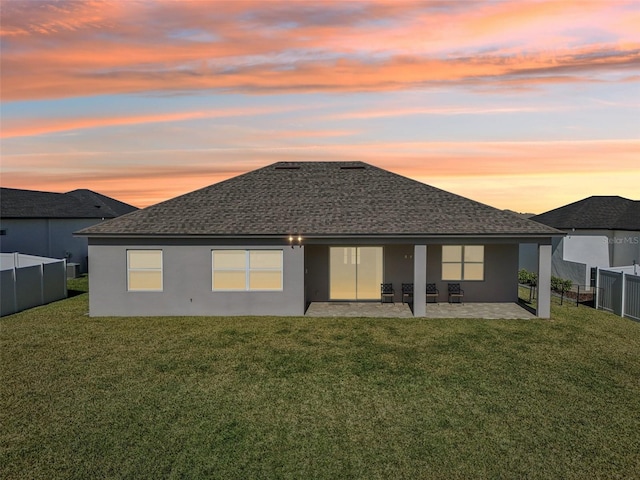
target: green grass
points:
(273, 397)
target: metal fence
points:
(577, 295)
(27, 281)
(619, 293)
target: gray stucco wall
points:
(28, 236)
(52, 238)
(187, 283)
(500, 282)
(565, 269)
(317, 273)
(398, 267)
(625, 248)
(578, 273)
(528, 256)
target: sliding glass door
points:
(355, 273)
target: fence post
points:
(42, 283)
(64, 278)
(597, 295)
(15, 289)
(624, 290)
(578, 297)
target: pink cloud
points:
(336, 76)
(40, 126)
(443, 110)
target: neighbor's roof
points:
(15, 203)
(609, 213)
(319, 199)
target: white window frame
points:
(462, 264)
(155, 269)
(247, 270)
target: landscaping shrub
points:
(527, 278)
(560, 285)
(557, 284)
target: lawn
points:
(274, 397)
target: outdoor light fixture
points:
(295, 239)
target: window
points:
(3, 231)
(144, 270)
(463, 262)
(246, 270)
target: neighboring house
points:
(273, 240)
(42, 223)
(602, 231)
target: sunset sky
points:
(526, 105)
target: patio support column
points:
(419, 280)
(544, 281)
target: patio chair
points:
(386, 292)
(407, 291)
(432, 292)
(455, 292)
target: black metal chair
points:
(432, 292)
(407, 291)
(386, 292)
(455, 292)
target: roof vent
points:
(352, 167)
(287, 167)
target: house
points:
(42, 223)
(601, 231)
(273, 240)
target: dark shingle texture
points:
(15, 203)
(597, 212)
(319, 198)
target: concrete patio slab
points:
(359, 309)
(478, 310)
(433, 310)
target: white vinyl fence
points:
(618, 291)
(27, 281)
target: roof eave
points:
(326, 236)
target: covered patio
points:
(346, 280)
(504, 310)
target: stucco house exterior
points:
(273, 240)
(601, 231)
(43, 223)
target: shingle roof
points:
(16, 203)
(597, 212)
(319, 199)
